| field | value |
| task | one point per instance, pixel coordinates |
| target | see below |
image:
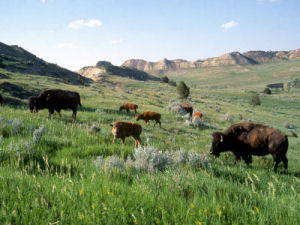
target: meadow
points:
(47, 166)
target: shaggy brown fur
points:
(187, 107)
(149, 115)
(55, 99)
(198, 114)
(246, 139)
(122, 129)
(1, 100)
(128, 106)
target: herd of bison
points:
(243, 139)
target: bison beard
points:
(55, 99)
(246, 139)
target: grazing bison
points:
(55, 99)
(122, 129)
(246, 139)
(149, 115)
(187, 107)
(198, 114)
(128, 106)
(1, 100)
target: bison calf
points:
(246, 139)
(122, 129)
(198, 114)
(188, 108)
(149, 115)
(127, 106)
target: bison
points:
(149, 115)
(55, 99)
(246, 139)
(122, 129)
(198, 114)
(187, 107)
(1, 100)
(128, 106)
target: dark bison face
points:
(137, 117)
(121, 108)
(32, 104)
(217, 144)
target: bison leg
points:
(237, 158)
(127, 111)
(137, 141)
(158, 121)
(134, 111)
(285, 161)
(51, 111)
(247, 159)
(114, 139)
(123, 140)
(74, 115)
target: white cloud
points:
(81, 23)
(116, 42)
(67, 45)
(229, 25)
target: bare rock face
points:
(92, 72)
(229, 59)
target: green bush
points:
(183, 90)
(267, 91)
(164, 79)
(254, 100)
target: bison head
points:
(218, 144)
(138, 117)
(32, 104)
(121, 108)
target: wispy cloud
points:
(262, 1)
(67, 45)
(229, 25)
(43, 1)
(116, 42)
(81, 23)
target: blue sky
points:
(77, 33)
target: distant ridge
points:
(16, 59)
(229, 59)
(103, 68)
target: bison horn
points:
(222, 139)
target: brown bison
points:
(1, 100)
(128, 106)
(122, 129)
(198, 114)
(149, 115)
(55, 99)
(187, 107)
(246, 139)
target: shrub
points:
(254, 100)
(164, 79)
(183, 90)
(267, 91)
(94, 129)
(38, 134)
(176, 107)
(228, 116)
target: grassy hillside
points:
(51, 178)
(239, 77)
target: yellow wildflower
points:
(257, 209)
(219, 212)
(192, 205)
(199, 223)
(224, 207)
(81, 216)
(80, 192)
(93, 206)
(205, 210)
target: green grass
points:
(59, 183)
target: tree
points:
(183, 90)
(165, 79)
(267, 91)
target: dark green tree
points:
(254, 100)
(183, 90)
(165, 79)
(267, 91)
(172, 83)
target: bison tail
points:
(292, 135)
